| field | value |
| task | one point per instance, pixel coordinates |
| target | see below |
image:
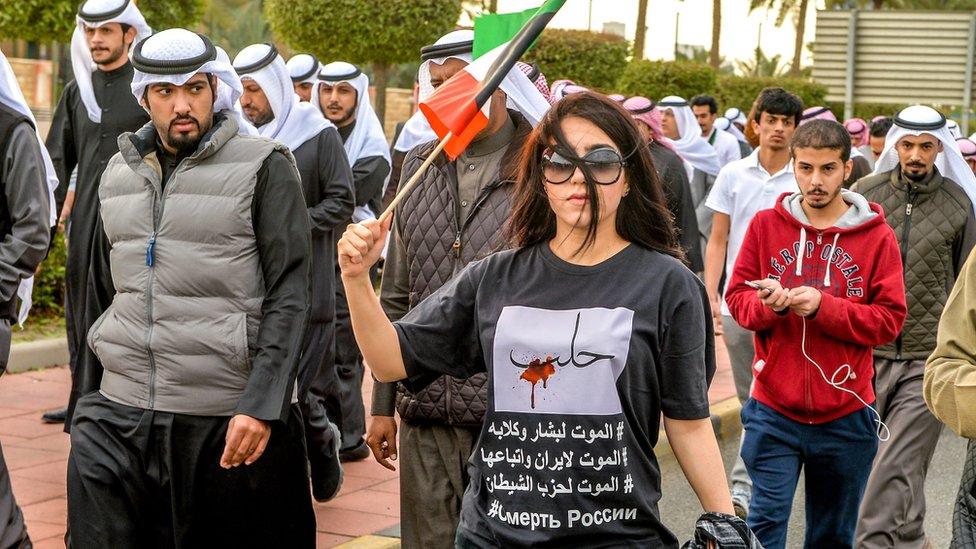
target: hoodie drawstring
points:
(833, 248)
(802, 252)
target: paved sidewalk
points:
(37, 455)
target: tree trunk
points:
(713, 55)
(641, 33)
(801, 25)
(877, 4)
(381, 73)
(493, 6)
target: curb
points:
(37, 354)
(371, 542)
(725, 421)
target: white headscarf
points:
(950, 162)
(82, 65)
(523, 95)
(367, 138)
(954, 128)
(227, 101)
(725, 124)
(295, 122)
(303, 68)
(690, 145)
(12, 96)
(176, 45)
(735, 115)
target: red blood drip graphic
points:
(539, 371)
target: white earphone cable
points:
(845, 373)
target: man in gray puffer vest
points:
(194, 438)
(926, 190)
(454, 216)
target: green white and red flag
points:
(458, 106)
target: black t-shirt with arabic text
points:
(582, 361)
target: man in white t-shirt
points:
(743, 188)
(706, 112)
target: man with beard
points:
(927, 191)
(342, 95)
(25, 218)
(195, 437)
(702, 163)
(706, 111)
(816, 314)
(270, 103)
(304, 70)
(94, 109)
(743, 189)
(452, 217)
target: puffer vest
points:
(438, 248)
(927, 218)
(181, 332)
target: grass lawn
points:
(39, 327)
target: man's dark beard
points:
(185, 143)
(916, 177)
(262, 118)
(345, 118)
(114, 56)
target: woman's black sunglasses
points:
(604, 165)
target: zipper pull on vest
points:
(150, 250)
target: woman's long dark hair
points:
(642, 217)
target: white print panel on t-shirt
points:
(560, 362)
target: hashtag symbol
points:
(495, 508)
(628, 485)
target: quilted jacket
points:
(933, 222)
(438, 248)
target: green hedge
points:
(591, 59)
(741, 91)
(49, 282)
(658, 79)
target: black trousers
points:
(344, 400)
(315, 379)
(140, 478)
(13, 532)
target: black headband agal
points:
(341, 77)
(534, 73)
(643, 110)
(173, 66)
(674, 103)
(815, 113)
(260, 63)
(104, 16)
(921, 126)
(310, 72)
(435, 51)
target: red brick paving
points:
(37, 454)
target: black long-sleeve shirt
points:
(26, 211)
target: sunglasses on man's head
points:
(603, 164)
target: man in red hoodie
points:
(818, 279)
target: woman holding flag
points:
(589, 330)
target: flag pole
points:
(404, 189)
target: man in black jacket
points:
(25, 215)
(270, 104)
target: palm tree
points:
(713, 57)
(796, 8)
(760, 65)
(641, 29)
